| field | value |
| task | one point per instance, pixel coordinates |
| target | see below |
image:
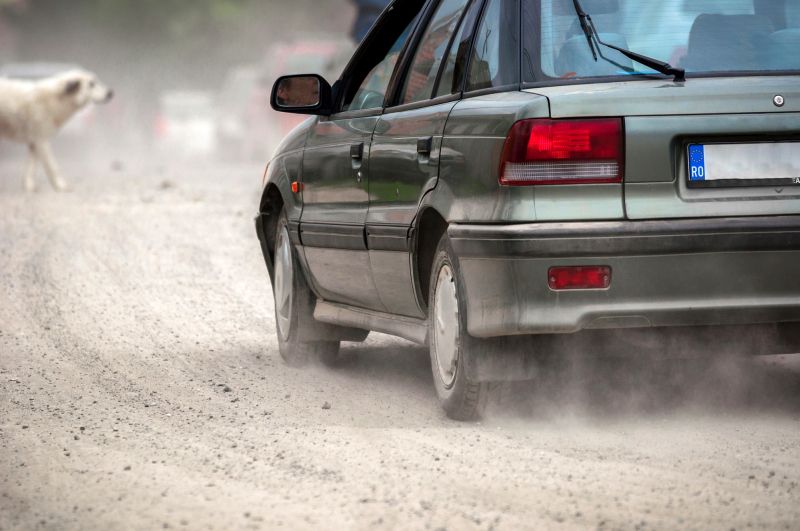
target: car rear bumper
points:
(694, 272)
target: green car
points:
(502, 180)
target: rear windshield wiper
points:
(593, 36)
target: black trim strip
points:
(294, 232)
(362, 113)
(447, 98)
(626, 238)
(388, 238)
(490, 90)
(330, 236)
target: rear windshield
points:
(701, 36)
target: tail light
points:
(579, 277)
(544, 151)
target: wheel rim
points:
(284, 282)
(446, 326)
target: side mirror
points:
(303, 94)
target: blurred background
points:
(192, 77)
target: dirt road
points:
(141, 388)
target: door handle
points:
(357, 151)
(425, 146)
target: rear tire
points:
(452, 349)
(294, 306)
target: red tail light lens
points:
(581, 277)
(543, 151)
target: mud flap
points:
(503, 359)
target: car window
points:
(495, 56)
(432, 47)
(455, 66)
(697, 35)
(371, 90)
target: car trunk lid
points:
(664, 119)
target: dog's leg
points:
(50, 166)
(30, 169)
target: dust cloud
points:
(582, 387)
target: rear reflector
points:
(581, 277)
(544, 151)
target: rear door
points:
(404, 158)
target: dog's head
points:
(83, 87)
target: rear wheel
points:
(294, 306)
(452, 348)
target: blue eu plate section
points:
(697, 163)
(718, 165)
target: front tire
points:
(452, 349)
(294, 306)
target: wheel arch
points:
(276, 195)
(272, 203)
(430, 228)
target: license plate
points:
(757, 164)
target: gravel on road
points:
(141, 388)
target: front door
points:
(404, 160)
(336, 170)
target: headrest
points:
(727, 42)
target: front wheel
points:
(452, 348)
(294, 305)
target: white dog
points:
(32, 112)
